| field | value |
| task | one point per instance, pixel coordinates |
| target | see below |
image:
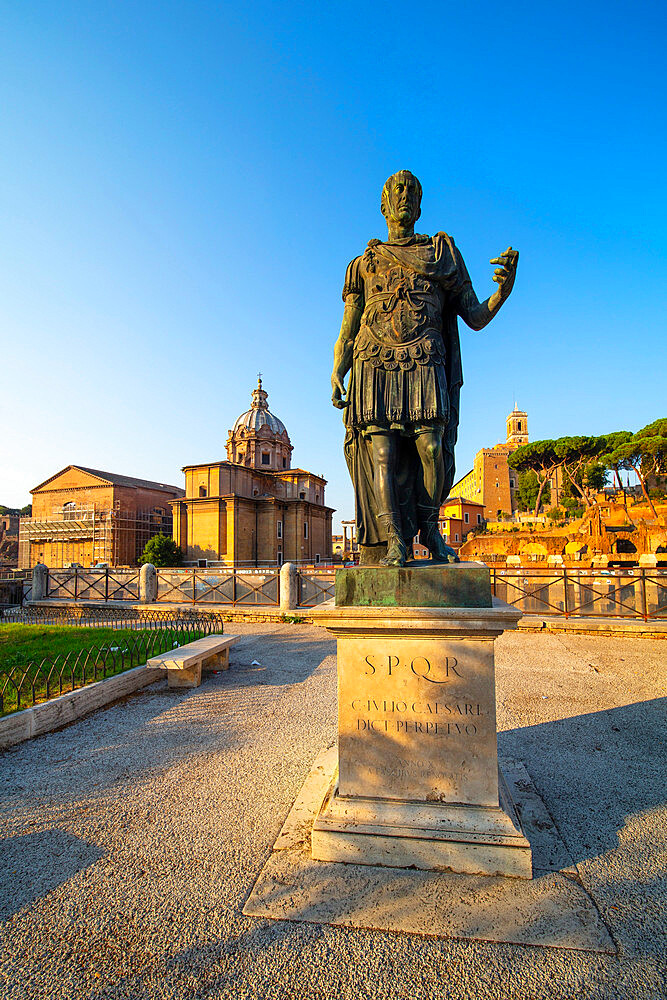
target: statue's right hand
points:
(338, 392)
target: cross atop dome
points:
(259, 396)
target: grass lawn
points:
(75, 656)
(21, 643)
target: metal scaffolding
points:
(116, 536)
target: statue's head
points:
(401, 198)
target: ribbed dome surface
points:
(259, 414)
(254, 419)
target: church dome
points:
(259, 414)
(259, 440)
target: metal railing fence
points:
(220, 586)
(315, 587)
(627, 593)
(638, 593)
(79, 584)
(11, 592)
(27, 683)
(107, 616)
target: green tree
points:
(539, 457)
(529, 488)
(579, 456)
(161, 551)
(26, 511)
(645, 453)
(595, 476)
(613, 441)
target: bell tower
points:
(517, 427)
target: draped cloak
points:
(406, 368)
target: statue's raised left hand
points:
(506, 273)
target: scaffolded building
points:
(87, 517)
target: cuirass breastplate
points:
(400, 326)
(401, 306)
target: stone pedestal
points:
(418, 782)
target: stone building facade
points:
(253, 508)
(87, 517)
(456, 520)
(491, 482)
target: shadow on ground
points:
(34, 864)
(596, 770)
(157, 728)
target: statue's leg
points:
(449, 440)
(384, 482)
(430, 449)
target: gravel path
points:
(132, 838)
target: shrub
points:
(161, 551)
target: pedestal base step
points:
(481, 840)
(551, 910)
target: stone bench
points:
(184, 664)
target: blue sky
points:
(183, 184)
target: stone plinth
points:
(418, 782)
(427, 585)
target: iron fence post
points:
(565, 601)
(76, 583)
(106, 584)
(644, 600)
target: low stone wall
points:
(58, 712)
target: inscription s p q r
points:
(420, 666)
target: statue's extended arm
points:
(343, 350)
(477, 314)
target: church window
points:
(317, 557)
(266, 458)
(202, 491)
(479, 518)
(279, 527)
(518, 426)
(284, 462)
(305, 529)
(302, 495)
(157, 516)
(456, 537)
(466, 517)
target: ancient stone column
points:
(40, 577)
(148, 584)
(289, 587)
